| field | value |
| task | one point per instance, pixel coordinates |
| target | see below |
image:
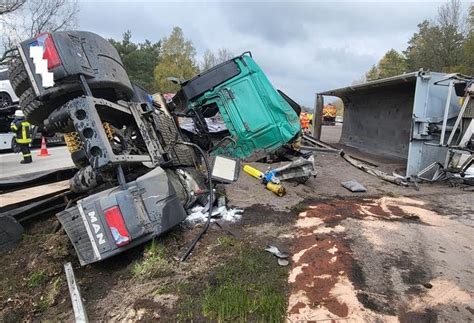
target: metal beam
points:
(80, 314)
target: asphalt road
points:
(10, 162)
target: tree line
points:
(152, 64)
(442, 44)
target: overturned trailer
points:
(406, 118)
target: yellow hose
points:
(253, 172)
(275, 188)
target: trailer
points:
(406, 118)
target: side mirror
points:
(460, 88)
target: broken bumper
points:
(149, 207)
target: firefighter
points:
(22, 129)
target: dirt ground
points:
(390, 254)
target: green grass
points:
(37, 278)
(300, 207)
(153, 264)
(50, 295)
(226, 241)
(250, 287)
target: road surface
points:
(10, 162)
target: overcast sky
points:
(303, 47)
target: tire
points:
(18, 77)
(32, 108)
(5, 100)
(37, 111)
(79, 159)
(10, 233)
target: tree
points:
(423, 49)
(210, 60)
(177, 60)
(7, 6)
(468, 47)
(139, 59)
(392, 63)
(372, 74)
(22, 19)
(438, 44)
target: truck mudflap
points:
(109, 222)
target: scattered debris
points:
(301, 169)
(198, 214)
(354, 186)
(276, 252)
(273, 185)
(283, 262)
(372, 171)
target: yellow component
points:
(253, 172)
(108, 130)
(73, 142)
(276, 188)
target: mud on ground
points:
(391, 254)
(149, 282)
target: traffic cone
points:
(44, 149)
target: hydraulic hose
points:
(211, 200)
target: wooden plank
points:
(32, 192)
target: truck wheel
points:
(79, 159)
(18, 77)
(10, 233)
(37, 111)
(5, 100)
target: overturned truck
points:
(139, 171)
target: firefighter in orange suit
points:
(304, 120)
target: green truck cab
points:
(259, 118)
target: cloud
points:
(303, 47)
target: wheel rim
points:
(5, 100)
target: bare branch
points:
(33, 17)
(9, 6)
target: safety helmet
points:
(19, 114)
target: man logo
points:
(97, 228)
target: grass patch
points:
(250, 287)
(47, 300)
(42, 305)
(226, 241)
(37, 278)
(153, 263)
(300, 207)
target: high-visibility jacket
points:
(22, 129)
(304, 121)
